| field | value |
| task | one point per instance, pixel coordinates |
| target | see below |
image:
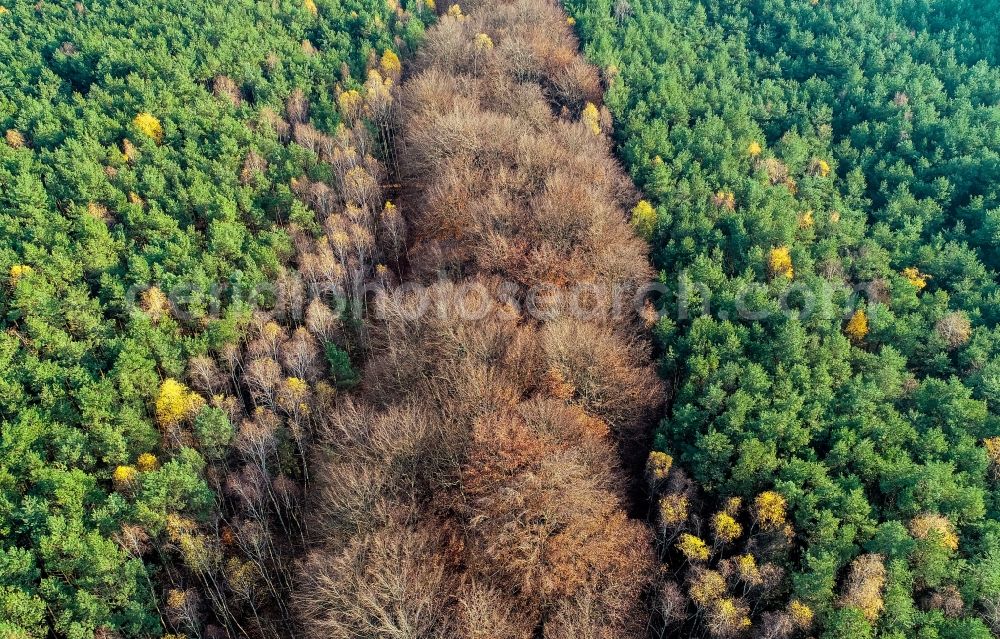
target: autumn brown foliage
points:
(478, 485)
(503, 183)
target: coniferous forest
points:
(500, 319)
(832, 168)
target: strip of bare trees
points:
(253, 408)
(475, 485)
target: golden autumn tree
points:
(293, 398)
(863, 588)
(155, 304)
(801, 614)
(747, 569)
(706, 587)
(725, 527)
(673, 510)
(351, 104)
(176, 403)
(658, 466)
(483, 42)
(915, 277)
(149, 125)
(18, 271)
(807, 220)
(390, 65)
(769, 510)
(779, 260)
(124, 477)
(729, 617)
(724, 200)
(819, 167)
(147, 462)
(129, 152)
(857, 326)
(591, 117)
(693, 548)
(644, 219)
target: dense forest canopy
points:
(196, 442)
(147, 186)
(849, 151)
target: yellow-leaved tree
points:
(726, 529)
(17, 272)
(124, 476)
(147, 462)
(591, 117)
(176, 403)
(693, 547)
(863, 588)
(658, 466)
(351, 104)
(857, 326)
(801, 614)
(779, 260)
(769, 508)
(390, 65)
(915, 277)
(819, 167)
(155, 304)
(747, 569)
(724, 200)
(728, 617)
(644, 219)
(483, 42)
(149, 125)
(14, 138)
(673, 510)
(806, 221)
(706, 587)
